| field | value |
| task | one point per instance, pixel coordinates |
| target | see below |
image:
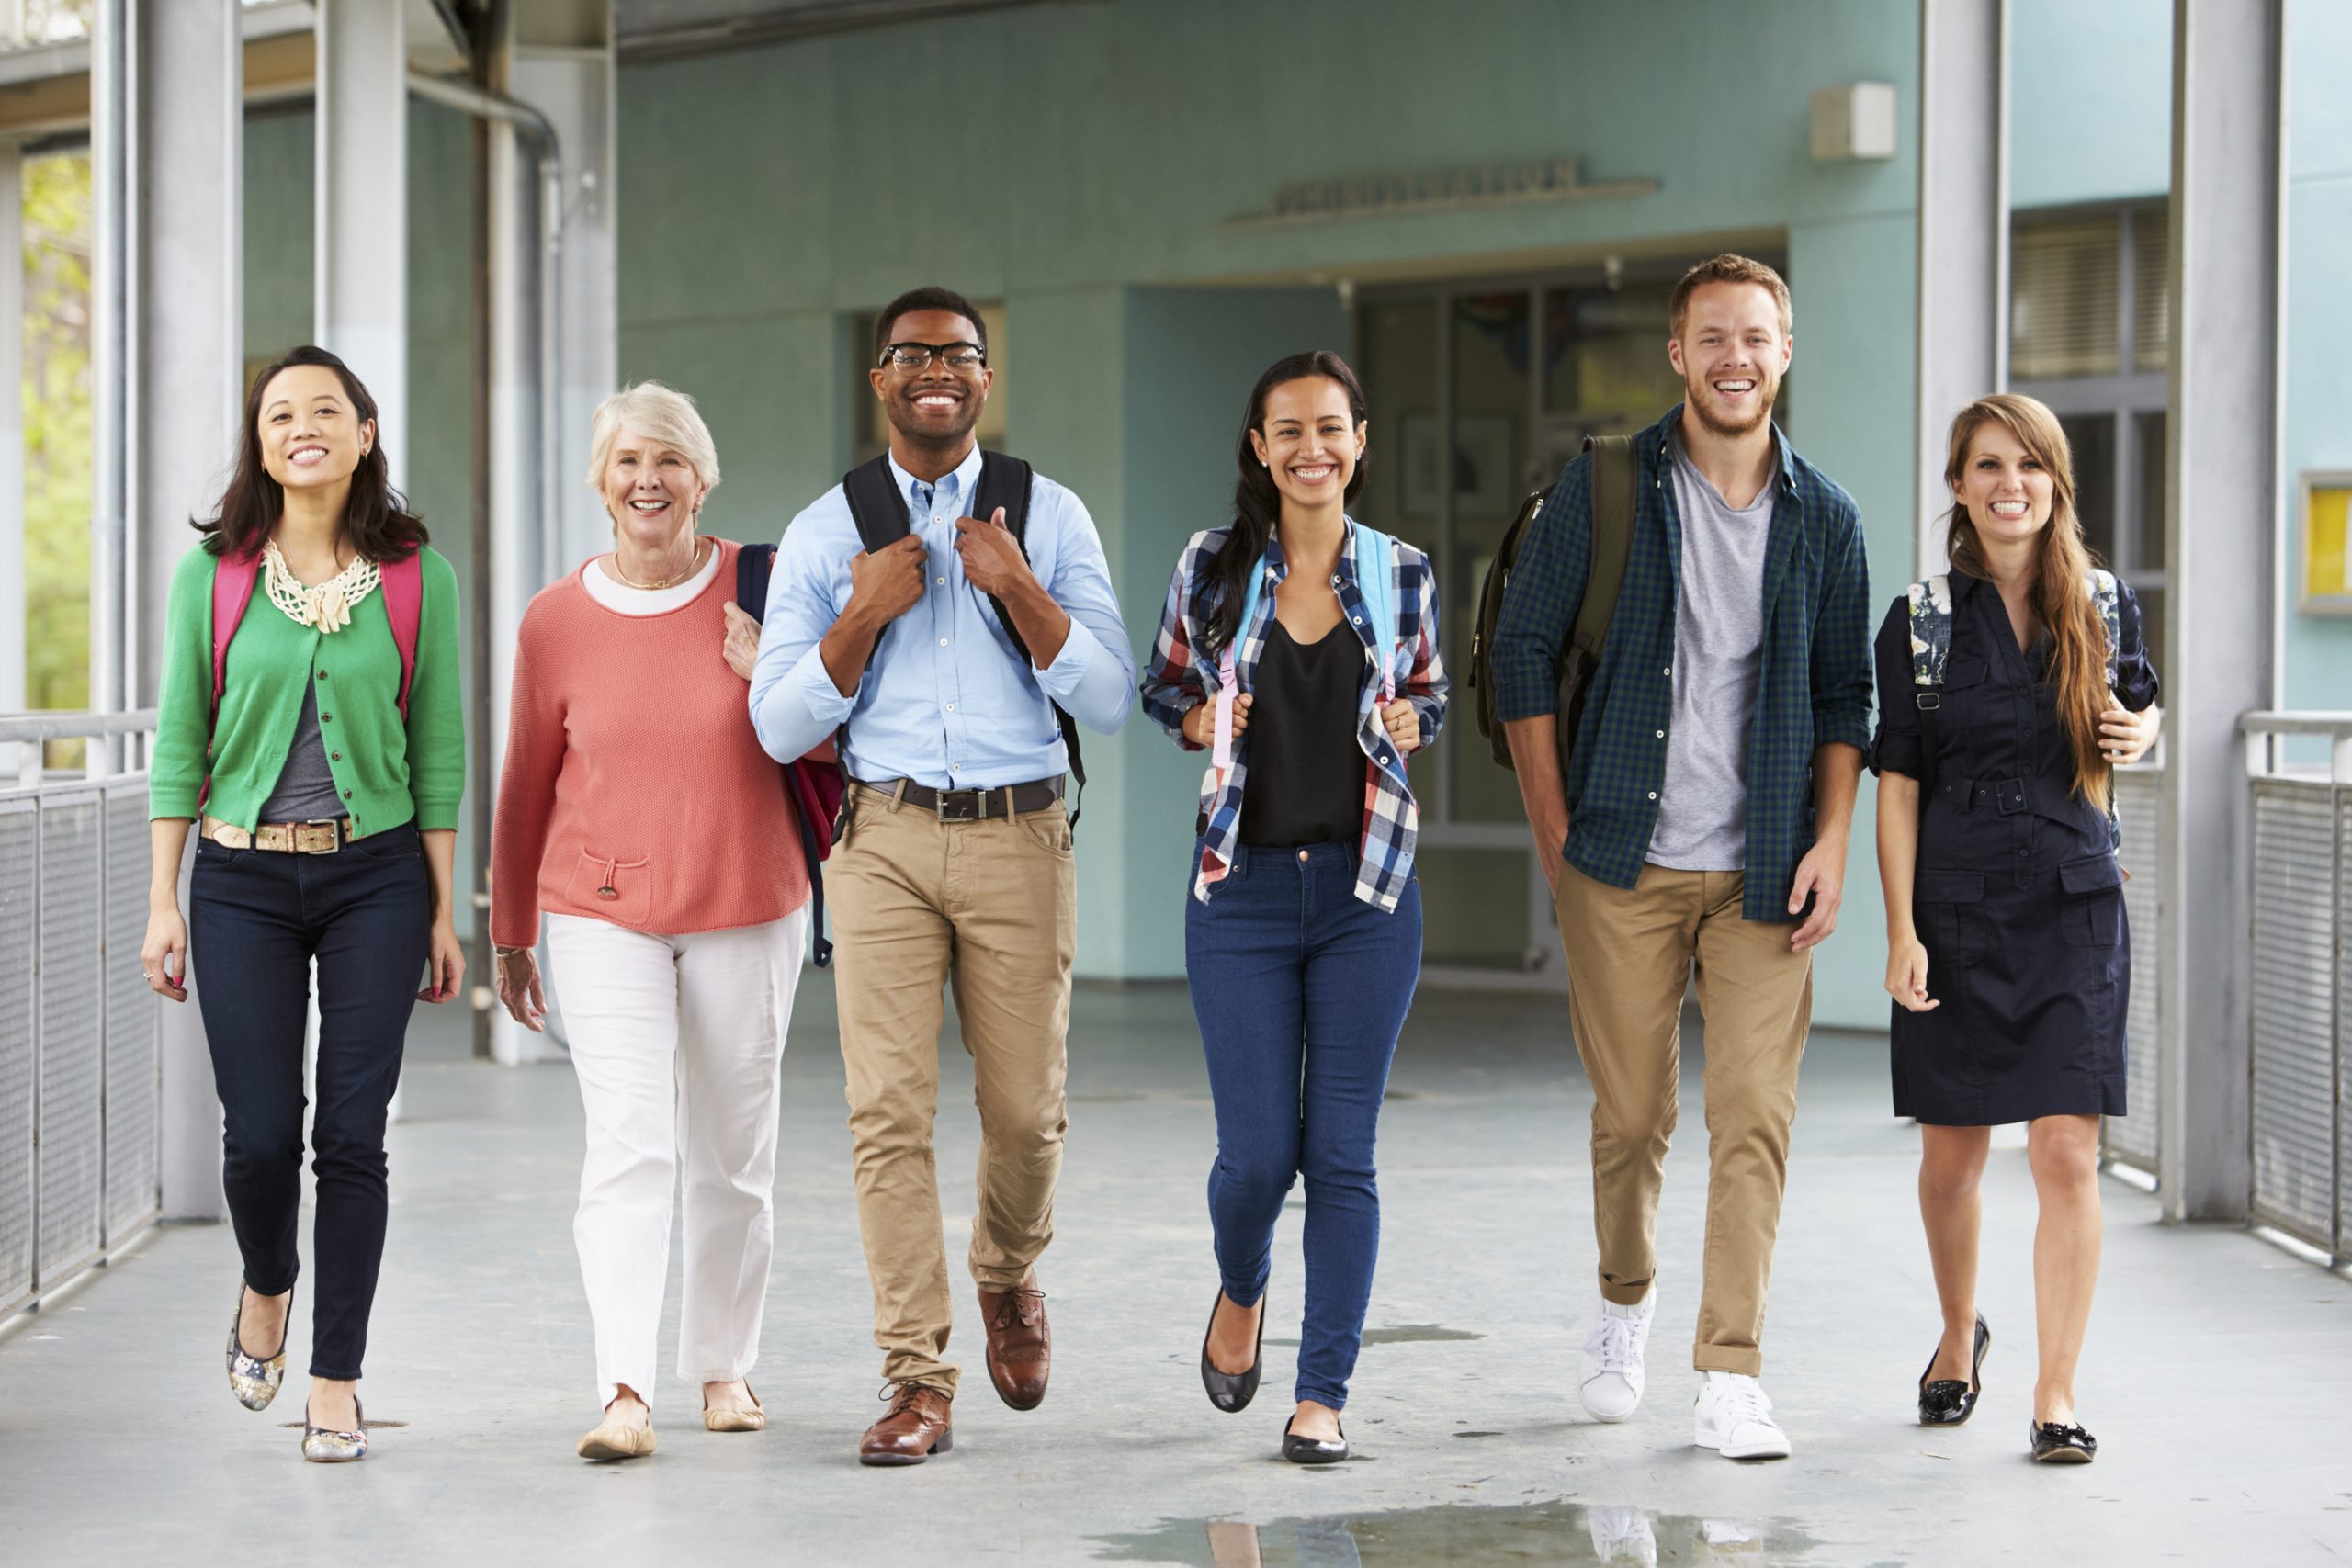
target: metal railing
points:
(2134, 1140)
(80, 1068)
(2303, 906)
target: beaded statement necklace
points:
(326, 606)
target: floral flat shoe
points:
(253, 1380)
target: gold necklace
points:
(694, 566)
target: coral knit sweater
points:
(635, 790)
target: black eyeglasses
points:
(918, 355)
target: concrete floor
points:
(2218, 1376)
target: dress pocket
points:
(1949, 912)
(620, 891)
(2093, 912)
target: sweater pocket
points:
(620, 891)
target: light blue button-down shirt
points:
(947, 702)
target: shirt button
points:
(334, 756)
(943, 642)
(1661, 735)
(1358, 619)
(939, 580)
(323, 674)
(1652, 794)
(1302, 855)
(347, 794)
(326, 718)
(1669, 669)
(951, 707)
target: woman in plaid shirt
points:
(1303, 936)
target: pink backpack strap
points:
(232, 589)
(403, 584)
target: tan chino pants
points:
(989, 908)
(1630, 953)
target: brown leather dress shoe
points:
(917, 1426)
(1021, 1345)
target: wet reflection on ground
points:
(1558, 1532)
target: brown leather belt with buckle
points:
(322, 837)
(970, 805)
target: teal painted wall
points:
(2091, 100)
(770, 192)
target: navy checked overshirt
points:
(1813, 690)
(1182, 674)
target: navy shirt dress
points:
(2018, 897)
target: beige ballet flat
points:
(614, 1440)
(324, 1445)
(755, 1419)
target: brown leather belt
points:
(321, 837)
(970, 805)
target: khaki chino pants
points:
(989, 908)
(1631, 953)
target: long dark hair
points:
(1256, 502)
(375, 518)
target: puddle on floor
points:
(1555, 1532)
(1405, 1334)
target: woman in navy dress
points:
(2009, 956)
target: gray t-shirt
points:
(1718, 657)
(305, 790)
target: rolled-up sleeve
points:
(1898, 746)
(1547, 585)
(1092, 674)
(795, 705)
(1841, 645)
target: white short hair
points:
(661, 412)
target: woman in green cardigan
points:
(316, 734)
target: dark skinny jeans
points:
(257, 919)
(1300, 989)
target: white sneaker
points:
(1621, 1535)
(1736, 1418)
(1612, 1383)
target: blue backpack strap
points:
(1376, 581)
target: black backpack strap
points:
(1006, 481)
(754, 564)
(1613, 538)
(875, 504)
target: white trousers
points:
(678, 1042)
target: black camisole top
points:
(1306, 779)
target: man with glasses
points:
(954, 654)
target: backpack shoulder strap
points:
(1930, 606)
(403, 585)
(1376, 580)
(1613, 538)
(754, 565)
(2104, 594)
(875, 504)
(233, 589)
(1005, 482)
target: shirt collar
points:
(1669, 435)
(960, 483)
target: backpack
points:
(1375, 580)
(880, 512)
(814, 785)
(402, 586)
(1613, 538)
(1930, 616)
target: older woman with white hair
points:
(630, 814)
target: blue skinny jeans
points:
(1300, 989)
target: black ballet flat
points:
(1948, 1402)
(2056, 1444)
(1313, 1450)
(1232, 1392)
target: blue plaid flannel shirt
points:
(1181, 674)
(1814, 688)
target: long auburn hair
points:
(2079, 630)
(375, 518)
(1257, 504)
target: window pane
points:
(2063, 299)
(2093, 439)
(2151, 289)
(1604, 356)
(2149, 432)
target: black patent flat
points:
(1948, 1402)
(1232, 1392)
(2053, 1443)
(1313, 1450)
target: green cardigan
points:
(387, 777)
